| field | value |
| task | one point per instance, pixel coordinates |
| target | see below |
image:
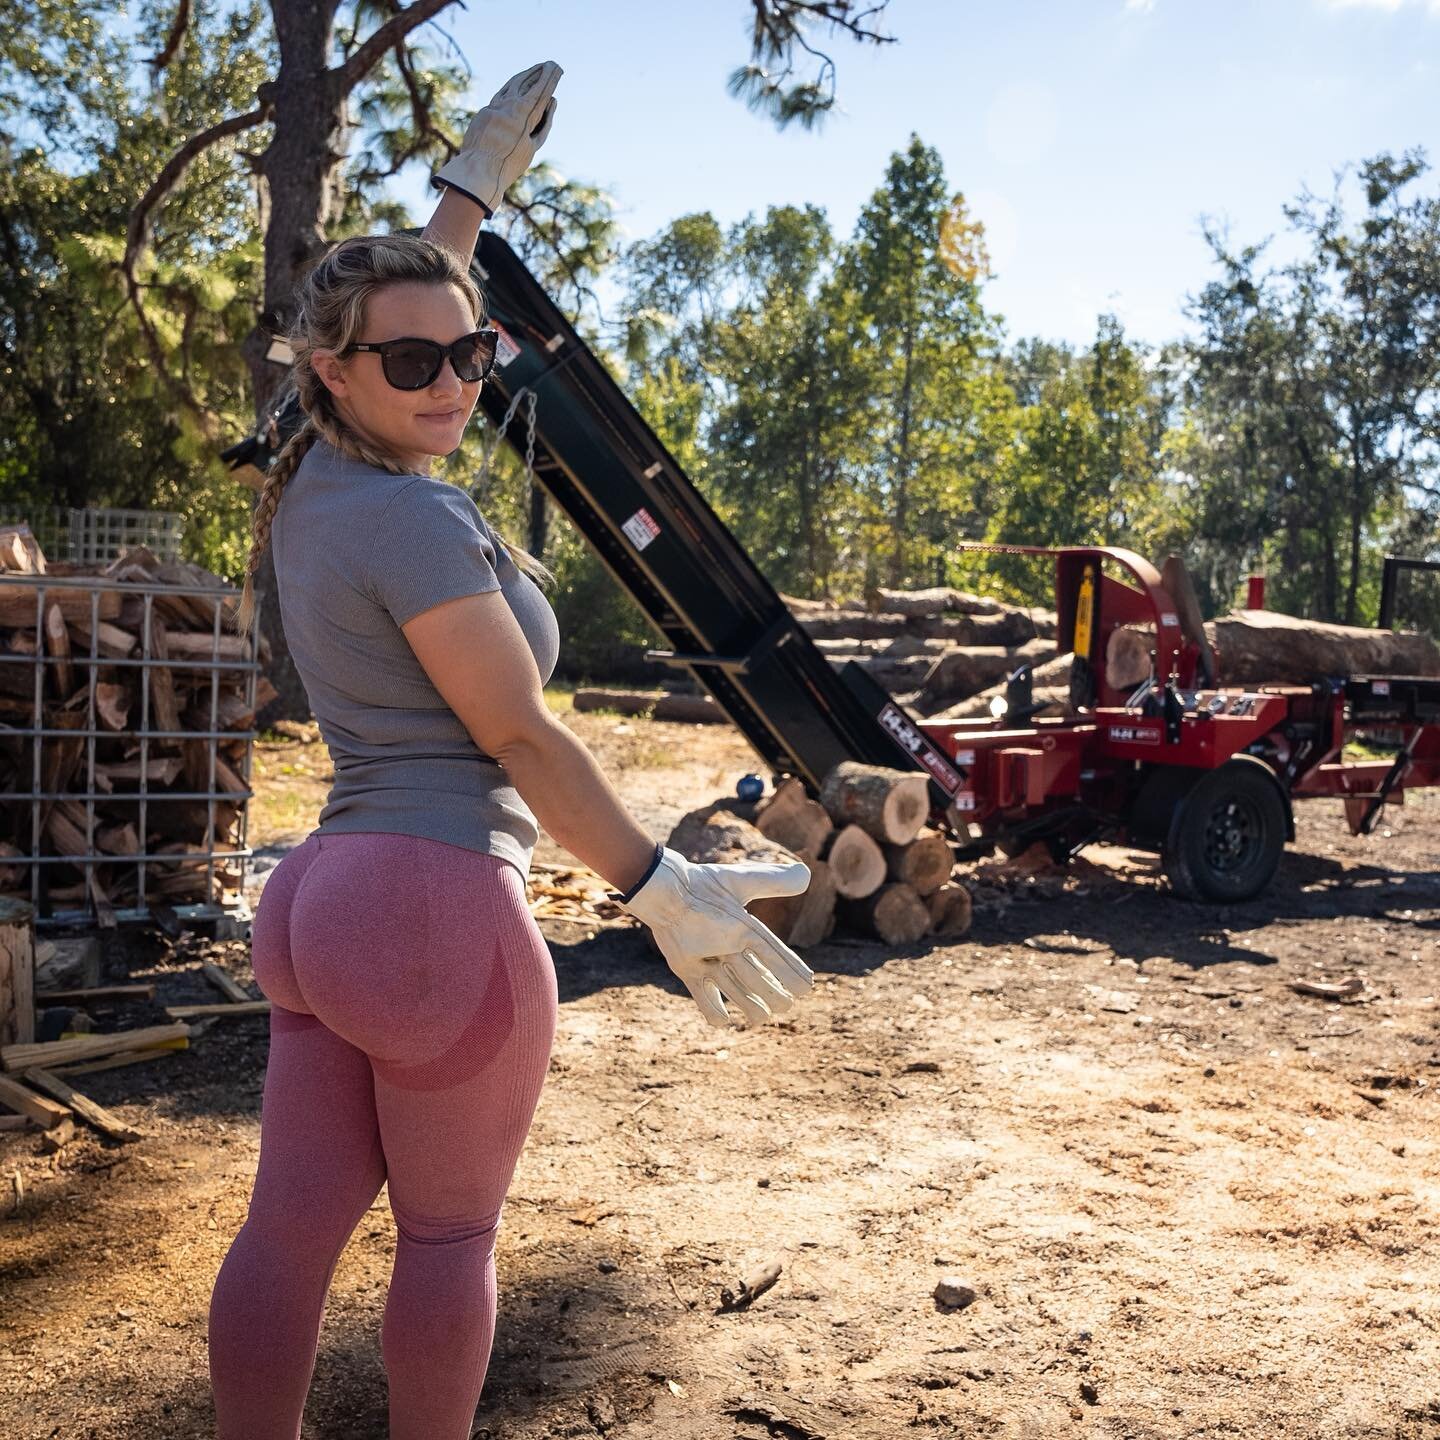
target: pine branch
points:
(387, 37)
(178, 27)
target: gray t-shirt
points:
(359, 551)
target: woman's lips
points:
(439, 415)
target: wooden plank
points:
(230, 1008)
(24, 1101)
(97, 992)
(131, 1057)
(82, 1105)
(86, 1047)
(225, 983)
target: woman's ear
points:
(331, 372)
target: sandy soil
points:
(1190, 1201)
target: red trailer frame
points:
(1202, 772)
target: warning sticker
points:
(641, 528)
(506, 349)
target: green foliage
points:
(1310, 444)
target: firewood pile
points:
(59, 642)
(876, 868)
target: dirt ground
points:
(1191, 1202)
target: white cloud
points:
(1141, 6)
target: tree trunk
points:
(297, 175)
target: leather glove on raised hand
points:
(501, 141)
(708, 938)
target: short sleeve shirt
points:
(358, 552)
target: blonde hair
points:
(330, 314)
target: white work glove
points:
(501, 141)
(708, 938)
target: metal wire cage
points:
(96, 534)
(240, 659)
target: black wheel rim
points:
(1234, 836)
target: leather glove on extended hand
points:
(501, 141)
(708, 938)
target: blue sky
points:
(1088, 135)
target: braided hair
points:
(330, 313)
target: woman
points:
(413, 996)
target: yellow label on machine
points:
(1085, 612)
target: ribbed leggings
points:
(413, 1011)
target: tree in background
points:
(940, 418)
(87, 412)
(1086, 464)
(1310, 439)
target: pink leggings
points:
(413, 1010)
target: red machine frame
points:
(1203, 772)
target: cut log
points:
(894, 913)
(857, 864)
(20, 551)
(164, 712)
(1257, 647)
(935, 601)
(792, 819)
(963, 671)
(18, 604)
(1050, 683)
(57, 643)
(17, 972)
(924, 864)
(658, 704)
(889, 805)
(1009, 627)
(950, 909)
(1264, 647)
(816, 914)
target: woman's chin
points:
(439, 435)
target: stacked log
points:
(930, 648)
(876, 867)
(181, 629)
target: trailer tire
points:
(1227, 834)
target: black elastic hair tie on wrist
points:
(634, 890)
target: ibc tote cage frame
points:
(140, 911)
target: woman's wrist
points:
(627, 895)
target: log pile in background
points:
(876, 868)
(930, 648)
(181, 628)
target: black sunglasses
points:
(411, 363)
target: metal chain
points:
(523, 393)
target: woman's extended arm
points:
(498, 147)
(456, 222)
